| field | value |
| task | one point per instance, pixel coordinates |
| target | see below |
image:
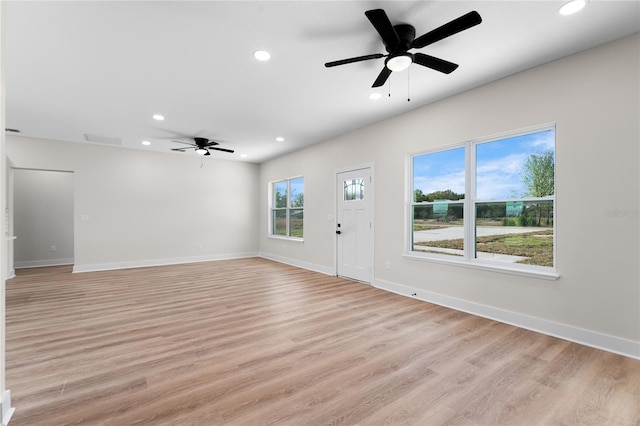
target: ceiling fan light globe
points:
(399, 62)
(201, 151)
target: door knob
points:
(338, 232)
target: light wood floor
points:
(254, 342)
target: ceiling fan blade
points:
(207, 153)
(179, 149)
(221, 149)
(434, 63)
(355, 59)
(450, 28)
(381, 23)
(186, 143)
(382, 77)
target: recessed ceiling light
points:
(375, 96)
(147, 143)
(243, 155)
(280, 139)
(262, 55)
(572, 7)
(158, 117)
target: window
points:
(353, 189)
(287, 208)
(489, 202)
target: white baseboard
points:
(42, 263)
(295, 262)
(6, 410)
(585, 337)
(159, 262)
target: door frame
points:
(336, 172)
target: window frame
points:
(470, 203)
(287, 209)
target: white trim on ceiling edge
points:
(160, 262)
(582, 336)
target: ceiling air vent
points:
(106, 140)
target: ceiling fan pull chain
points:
(408, 85)
(389, 87)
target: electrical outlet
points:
(387, 265)
(53, 248)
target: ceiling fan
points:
(201, 145)
(399, 39)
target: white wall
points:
(593, 98)
(139, 208)
(43, 217)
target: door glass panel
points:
(354, 189)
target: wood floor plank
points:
(255, 342)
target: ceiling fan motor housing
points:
(202, 142)
(406, 34)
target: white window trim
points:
(469, 202)
(270, 233)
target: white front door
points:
(354, 225)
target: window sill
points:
(282, 237)
(532, 273)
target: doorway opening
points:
(41, 205)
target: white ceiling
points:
(104, 68)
